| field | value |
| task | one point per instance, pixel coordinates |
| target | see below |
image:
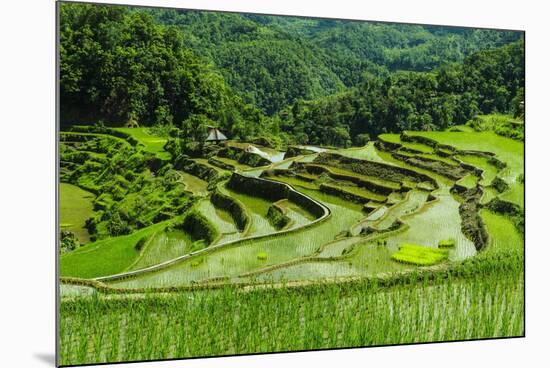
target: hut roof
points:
(215, 135)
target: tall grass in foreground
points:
(482, 302)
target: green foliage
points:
(105, 257)
(69, 241)
(316, 79)
(119, 65)
(142, 242)
(486, 82)
(197, 245)
(277, 217)
(262, 256)
(130, 195)
(503, 125)
(274, 61)
(196, 127)
(197, 262)
(199, 227)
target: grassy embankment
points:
(152, 143)
(75, 207)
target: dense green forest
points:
(487, 81)
(117, 66)
(295, 79)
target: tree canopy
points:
(299, 80)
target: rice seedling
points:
(390, 138)
(419, 255)
(503, 235)
(447, 243)
(419, 147)
(516, 194)
(156, 326)
(432, 156)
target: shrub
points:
(235, 209)
(69, 241)
(142, 242)
(277, 217)
(499, 184)
(199, 227)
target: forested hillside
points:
(305, 80)
(119, 66)
(487, 81)
(271, 61)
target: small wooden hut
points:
(215, 136)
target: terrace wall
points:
(371, 168)
(319, 210)
(235, 209)
(274, 191)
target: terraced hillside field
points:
(422, 216)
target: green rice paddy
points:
(98, 329)
(419, 147)
(503, 235)
(490, 171)
(508, 150)
(75, 207)
(257, 209)
(193, 184)
(367, 152)
(153, 144)
(469, 181)
(235, 260)
(393, 237)
(105, 257)
(221, 220)
(162, 246)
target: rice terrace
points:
(375, 208)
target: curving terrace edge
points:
(276, 190)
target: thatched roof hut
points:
(215, 136)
